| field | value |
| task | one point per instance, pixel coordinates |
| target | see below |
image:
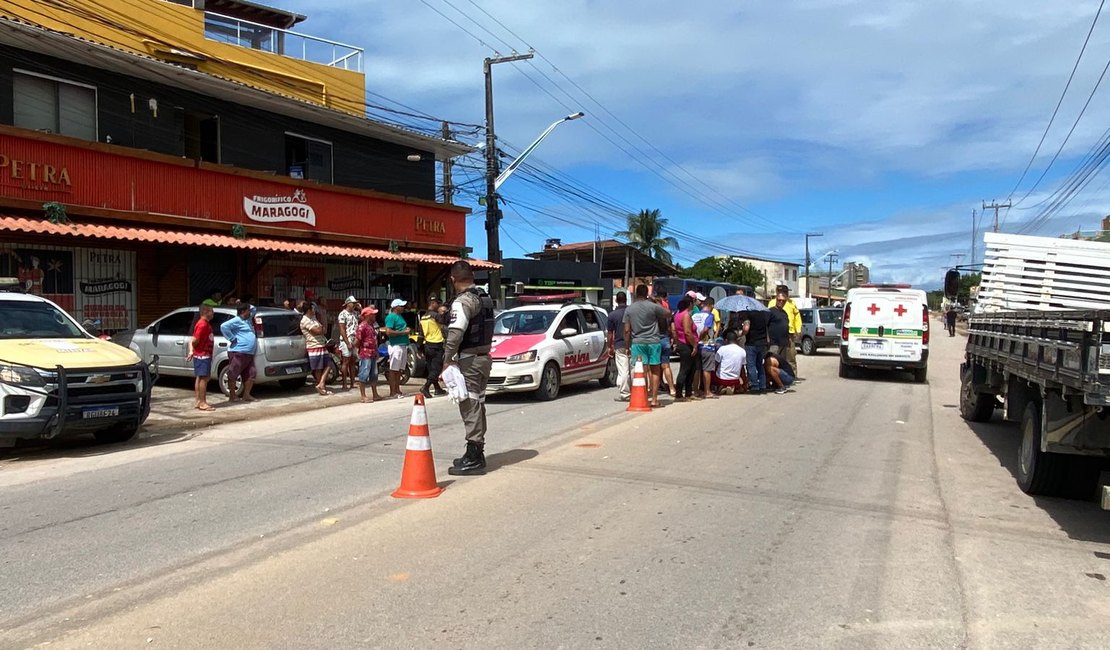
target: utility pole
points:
(448, 189)
(493, 213)
(974, 232)
(833, 257)
(809, 291)
(996, 205)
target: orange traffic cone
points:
(639, 401)
(418, 477)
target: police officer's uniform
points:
(469, 336)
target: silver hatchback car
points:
(820, 328)
(281, 355)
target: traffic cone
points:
(639, 400)
(418, 477)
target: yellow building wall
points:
(156, 27)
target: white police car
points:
(541, 348)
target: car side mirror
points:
(567, 331)
(153, 329)
(952, 283)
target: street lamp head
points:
(414, 157)
(575, 116)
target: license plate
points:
(871, 345)
(293, 371)
(100, 412)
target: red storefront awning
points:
(160, 236)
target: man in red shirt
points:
(366, 346)
(198, 349)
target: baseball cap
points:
(397, 302)
(434, 298)
(368, 311)
(349, 300)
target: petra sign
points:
(430, 226)
(274, 209)
(34, 175)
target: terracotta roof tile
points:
(154, 235)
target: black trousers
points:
(686, 369)
(433, 356)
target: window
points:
(178, 324)
(202, 136)
(571, 321)
(308, 158)
(807, 316)
(593, 323)
(54, 106)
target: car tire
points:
(975, 407)
(609, 379)
(222, 381)
(549, 383)
(116, 435)
(808, 346)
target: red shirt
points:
(202, 339)
(366, 337)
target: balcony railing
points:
(245, 33)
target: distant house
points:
(775, 272)
(620, 262)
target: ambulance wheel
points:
(609, 379)
(848, 372)
(808, 346)
(921, 374)
(549, 383)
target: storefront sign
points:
(274, 209)
(346, 284)
(430, 226)
(34, 175)
(105, 286)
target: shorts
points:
(344, 351)
(202, 367)
(367, 371)
(318, 360)
(786, 377)
(398, 357)
(708, 359)
(650, 353)
(241, 365)
(665, 345)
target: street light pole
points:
(809, 292)
(493, 214)
(503, 176)
(832, 255)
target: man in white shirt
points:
(731, 365)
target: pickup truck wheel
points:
(920, 375)
(808, 346)
(975, 407)
(609, 379)
(1038, 472)
(123, 433)
(549, 383)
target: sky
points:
(880, 125)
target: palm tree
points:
(645, 234)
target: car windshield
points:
(832, 316)
(36, 320)
(530, 321)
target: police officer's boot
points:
(472, 463)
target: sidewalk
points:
(172, 404)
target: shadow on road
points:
(511, 457)
(1081, 519)
(86, 447)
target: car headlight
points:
(523, 357)
(20, 376)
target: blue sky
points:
(880, 124)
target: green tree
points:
(645, 234)
(725, 269)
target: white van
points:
(886, 327)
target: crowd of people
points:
(751, 351)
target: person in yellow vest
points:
(795, 317)
(432, 323)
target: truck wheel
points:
(848, 372)
(549, 383)
(920, 375)
(975, 407)
(123, 433)
(808, 346)
(1038, 472)
(609, 379)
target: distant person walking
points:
(950, 320)
(198, 349)
(469, 336)
(614, 337)
(242, 345)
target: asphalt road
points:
(847, 514)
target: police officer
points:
(469, 335)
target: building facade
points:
(152, 151)
(775, 272)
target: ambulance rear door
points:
(887, 325)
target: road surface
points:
(846, 514)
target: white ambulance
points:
(886, 326)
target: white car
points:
(541, 348)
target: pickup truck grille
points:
(97, 386)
